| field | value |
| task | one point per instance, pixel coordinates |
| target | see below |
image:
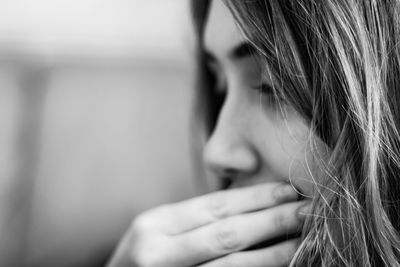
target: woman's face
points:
(253, 142)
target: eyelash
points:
(264, 90)
(267, 91)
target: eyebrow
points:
(240, 51)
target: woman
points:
(337, 65)
(309, 97)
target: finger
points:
(190, 214)
(273, 256)
(237, 233)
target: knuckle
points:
(281, 221)
(218, 206)
(279, 193)
(227, 238)
(258, 195)
(150, 219)
(141, 222)
(147, 254)
(162, 211)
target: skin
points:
(253, 141)
(259, 150)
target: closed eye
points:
(264, 89)
(267, 92)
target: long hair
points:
(337, 62)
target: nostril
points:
(226, 177)
(225, 183)
(227, 152)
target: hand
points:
(215, 229)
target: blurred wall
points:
(94, 112)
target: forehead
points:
(221, 33)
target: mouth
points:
(301, 195)
(229, 183)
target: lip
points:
(301, 196)
(227, 183)
(240, 182)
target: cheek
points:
(290, 153)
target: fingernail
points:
(304, 210)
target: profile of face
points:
(253, 141)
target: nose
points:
(230, 151)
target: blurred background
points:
(95, 101)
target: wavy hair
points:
(337, 62)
